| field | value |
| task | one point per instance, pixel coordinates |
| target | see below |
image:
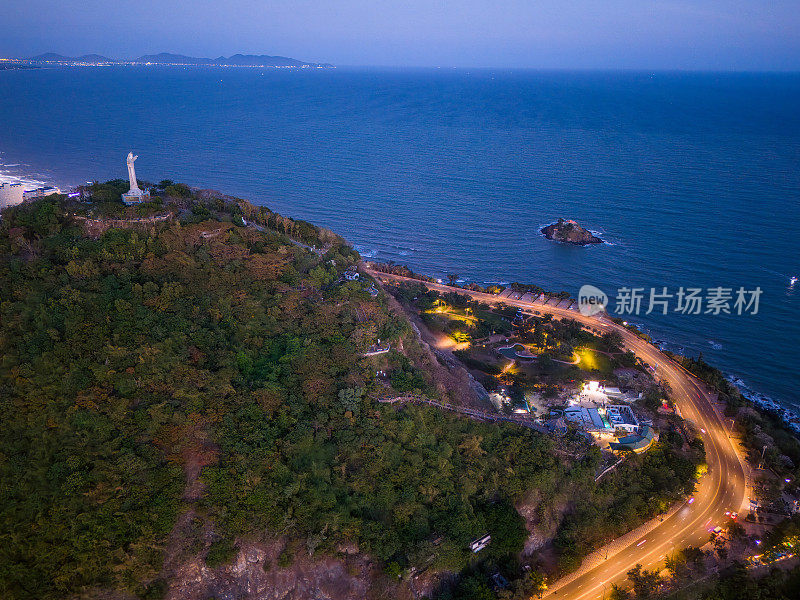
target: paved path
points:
(471, 412)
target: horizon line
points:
(610, 68)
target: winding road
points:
(723, 488)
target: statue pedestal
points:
(135, 197)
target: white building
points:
(611, 392)
(587, 417)
(621, 417)
(11, 194)
(40, 192)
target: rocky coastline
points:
(767, 405)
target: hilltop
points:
(189, 411)
(194, 407)
(86, 58)
(238, 60)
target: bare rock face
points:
(569, 232)
(256, 575)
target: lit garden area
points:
(594, 361)
(522, 355)
(552, 370)
(462, 322)
(440, 307)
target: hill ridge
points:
(170, 58)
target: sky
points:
(741, 35)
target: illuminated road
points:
(722, 489)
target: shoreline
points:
(789, 419)
(789, 416)
(7, 177)
(766, 404)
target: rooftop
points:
(638, 442)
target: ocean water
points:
(694, 179)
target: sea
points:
(693, 179)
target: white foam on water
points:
(602, 236)
(13, 176)
(366, 253)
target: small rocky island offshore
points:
(568, 231)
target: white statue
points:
(134, 195)
(132, 173)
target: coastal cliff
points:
(568, 231)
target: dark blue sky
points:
(628, 34)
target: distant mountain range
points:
(86, 58)
(166, 58)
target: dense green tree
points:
(618, 593)
(645, 583)
(139, 366)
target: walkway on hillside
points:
(262, 229)
(471, 412)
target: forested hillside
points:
(178, 388)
